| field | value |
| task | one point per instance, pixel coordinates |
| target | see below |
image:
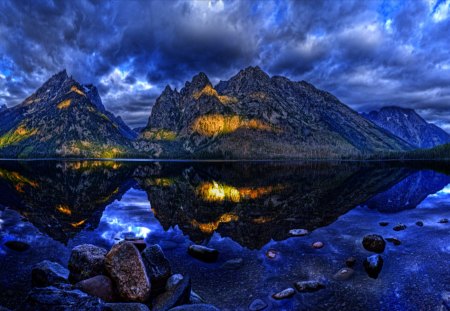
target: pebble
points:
(343, 274)
(394, 241)
(308, 286)
(271, 254)
(317, 245)
(383, 223)
(443, 221)
(284, 294)
(374, 243)
(399, 227)
(419, 223)
(298, 232)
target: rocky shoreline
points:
(131, 276)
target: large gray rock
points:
(53, 298)
(157, 266)
(178, 295)
(125, 306)
(86, 261)
(47, 273)
(125, 267)
(196, 307)
(374, 243)
(99, 286)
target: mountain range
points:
(249, 116)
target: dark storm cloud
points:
(368, 53)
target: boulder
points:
(125, 306)
(257, 305)
(176, 296)
(53, 298)
(373, 265)
(374, 243)
(47, 273)
(284, 294)
(99, 286)
(308, 286)
(343, 274)
(17, 246)
(157, 266)
(127, 270)
(203, 253)
(197, 307)
(86, 261)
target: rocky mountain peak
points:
(3, 107)
(247, 80)
(197, 83)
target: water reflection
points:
(252, 203)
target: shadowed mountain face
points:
(253, 115)
(62, 119)
(409, 126)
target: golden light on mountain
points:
(210, 227)
(208, 90)
(77, 224)
(64, 104)
(64, 209)
(77, 90)
(218, 192)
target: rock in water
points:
(373, 265)
(17, 246)
(47, 273)
(284, 294)
(257, 305)
(52, 298)
(383, 223)
(176, 296)
(125, 306)
(125, 267)
(399, 227)
(374, 243)
(173, 281)
(394, 241)
(203, 253)
(86, 261)
(157, 266)
(308, 286)
(419, 223)
(99, 286)
(298, 232)
(343, 274)
(233, 264)
(197, 307)
(317, 245)
(443, 221)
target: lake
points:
(245, 210)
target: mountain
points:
(409, 126)
(253, 115)
(63, 118)
(3, 107)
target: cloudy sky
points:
(368, 53)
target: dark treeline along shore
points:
(249, 116)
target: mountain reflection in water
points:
(252, 203)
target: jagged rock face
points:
(409, 126)
(62, 119)
(253, 115)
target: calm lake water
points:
(243, 209)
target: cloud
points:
(369, 54)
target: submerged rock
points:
(383, 223)
(203, 253)
(17, 246)
(99, 286)
(53, 298)
(373, 265)
(257, 305)
(443, 221)
(125, 306)
(317, 245)
(233, 264)
(125, 266)
(308, 286)
(197, 307)
(350, 262)
(394, 241)
(47, 273)
(298, 232)
(343, 274)
(284, 294)
(176, 296)
(399, 227)
(374, 243)
(86, 261)
(419, 223)
(157, 266)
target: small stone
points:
(257, 305)
(373, 265)
(203, 253)
(196, 307)
(86, 261)
(399, 227)
(272, 254)
(173, 281)
(317, 245)
(419, 223)
(298, 232)
(394, 241)
(350, 262)
(374, 243)
(176, 296)
(233, 264)
(99, 286)
(343, 274)
(157, 266)
(125, 306)
(308, 286)
(383, 223)
(47, 273)
(125, 267)
(17, 246)
(284, 294)
(443, 221)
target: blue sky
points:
(368, 53)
